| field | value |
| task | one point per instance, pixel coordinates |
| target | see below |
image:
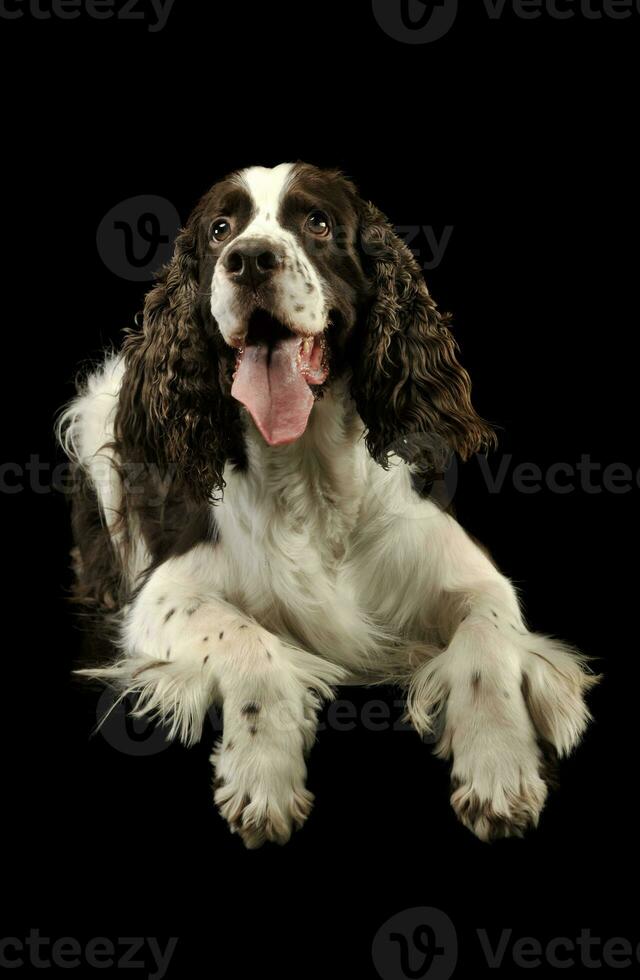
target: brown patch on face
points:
(227, 199)
(335, 258)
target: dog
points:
(253, 517)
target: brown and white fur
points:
(260, 576)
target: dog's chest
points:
(308, 513)
(287, 532)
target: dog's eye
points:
(318, 223)
(220, 230)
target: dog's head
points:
(285, 282)
(282, 280)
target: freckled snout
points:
(253, 262)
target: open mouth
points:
(275, 370)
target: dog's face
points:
(281, 270)
(282, 280)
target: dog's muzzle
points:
(253, 262)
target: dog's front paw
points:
(258, 805)
(499, 807)
(499, 768)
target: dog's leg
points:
(499, 700)
(510, 702)
(186, 648)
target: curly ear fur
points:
(172, 412)
(411, 392)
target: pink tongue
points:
(274, 390)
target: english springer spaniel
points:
(252, 514)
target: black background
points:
(520, 135)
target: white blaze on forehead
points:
(299, 293)
(266, 187)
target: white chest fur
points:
(291, 528)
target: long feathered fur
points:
(410, 389)
(260, 577)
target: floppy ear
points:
(172, 412)
(410, 390)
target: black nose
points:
(252, 262)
